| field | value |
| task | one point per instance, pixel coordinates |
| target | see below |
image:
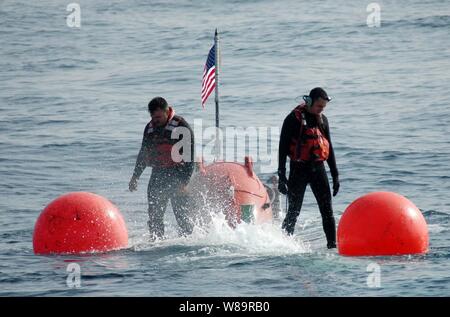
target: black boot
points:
(156, 231)
(289, 225)
(329, 227)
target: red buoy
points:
(382, 223)
(79, 222)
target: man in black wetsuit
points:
(305, 138)
(172, 166)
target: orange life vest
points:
(160, 153)
(311, 145)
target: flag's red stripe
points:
(207, 80)
(211, 88)
(208, 88)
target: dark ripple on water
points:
(436, 21)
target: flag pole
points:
(217, 57)
(216, 43)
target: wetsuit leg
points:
(321, 189)
(158, 196)
(298, 179)
(180, 201)
(181, 205)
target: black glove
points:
(282, 182)
(336, 185)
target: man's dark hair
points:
(157, 103)
(317, 93)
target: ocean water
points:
(73, 108)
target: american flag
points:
(209, 75)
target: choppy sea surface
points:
(73, 108)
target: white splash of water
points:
(218, 237)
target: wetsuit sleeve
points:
(188, 167)
(287, 131)
(140, 161)
(331, 158)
